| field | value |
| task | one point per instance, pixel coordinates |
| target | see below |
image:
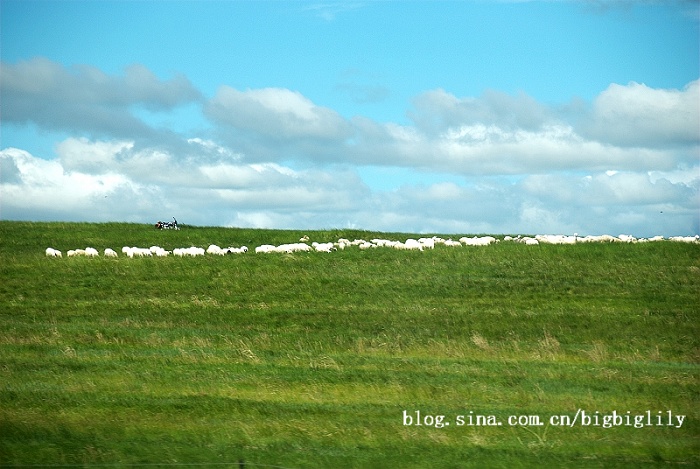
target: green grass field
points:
(310, 360)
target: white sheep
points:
(324, 247)
(292, 248)
(384, 243)
(427, 243)
(51, 252)
(91, 252)
(214, 249)
(160, 252)
(194, 251)
(477, 241)
(109, 252)
(141, 252)
(265, 248)
(413, 244)
(685, 239)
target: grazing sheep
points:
(141, 252)
(51, 252)
(556, 239)
(427, 243)
(685, 239)
(324, 247)
(214, 249)
(91, 252)
(412, 244)
(343, 243)
(383, 243)
(476, 241)
(160, 252)
(109, 252)
(292, 248)
(627, 238)
(194, 251)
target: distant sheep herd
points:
(410, 244)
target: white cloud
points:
(610, 189)
(628, 162)
(44, 189)
(276, 114)
(124, 184)
(639, 116)
(90, 157)
(276, 196)
(84, 100)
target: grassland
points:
(309, 360)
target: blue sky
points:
(452, 117)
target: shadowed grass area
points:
(309, 360)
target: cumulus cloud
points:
(437, 110)
(277, 124)
(628, 127)
(639, 116)
(85, 99)
(272, 195)
(275, 113)
(626, 162)
(488, 135)
(44, 189)
(100, 181)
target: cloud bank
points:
(627, 162)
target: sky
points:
(450, 117)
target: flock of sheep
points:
(410, 244)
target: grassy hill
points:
(317, 360)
